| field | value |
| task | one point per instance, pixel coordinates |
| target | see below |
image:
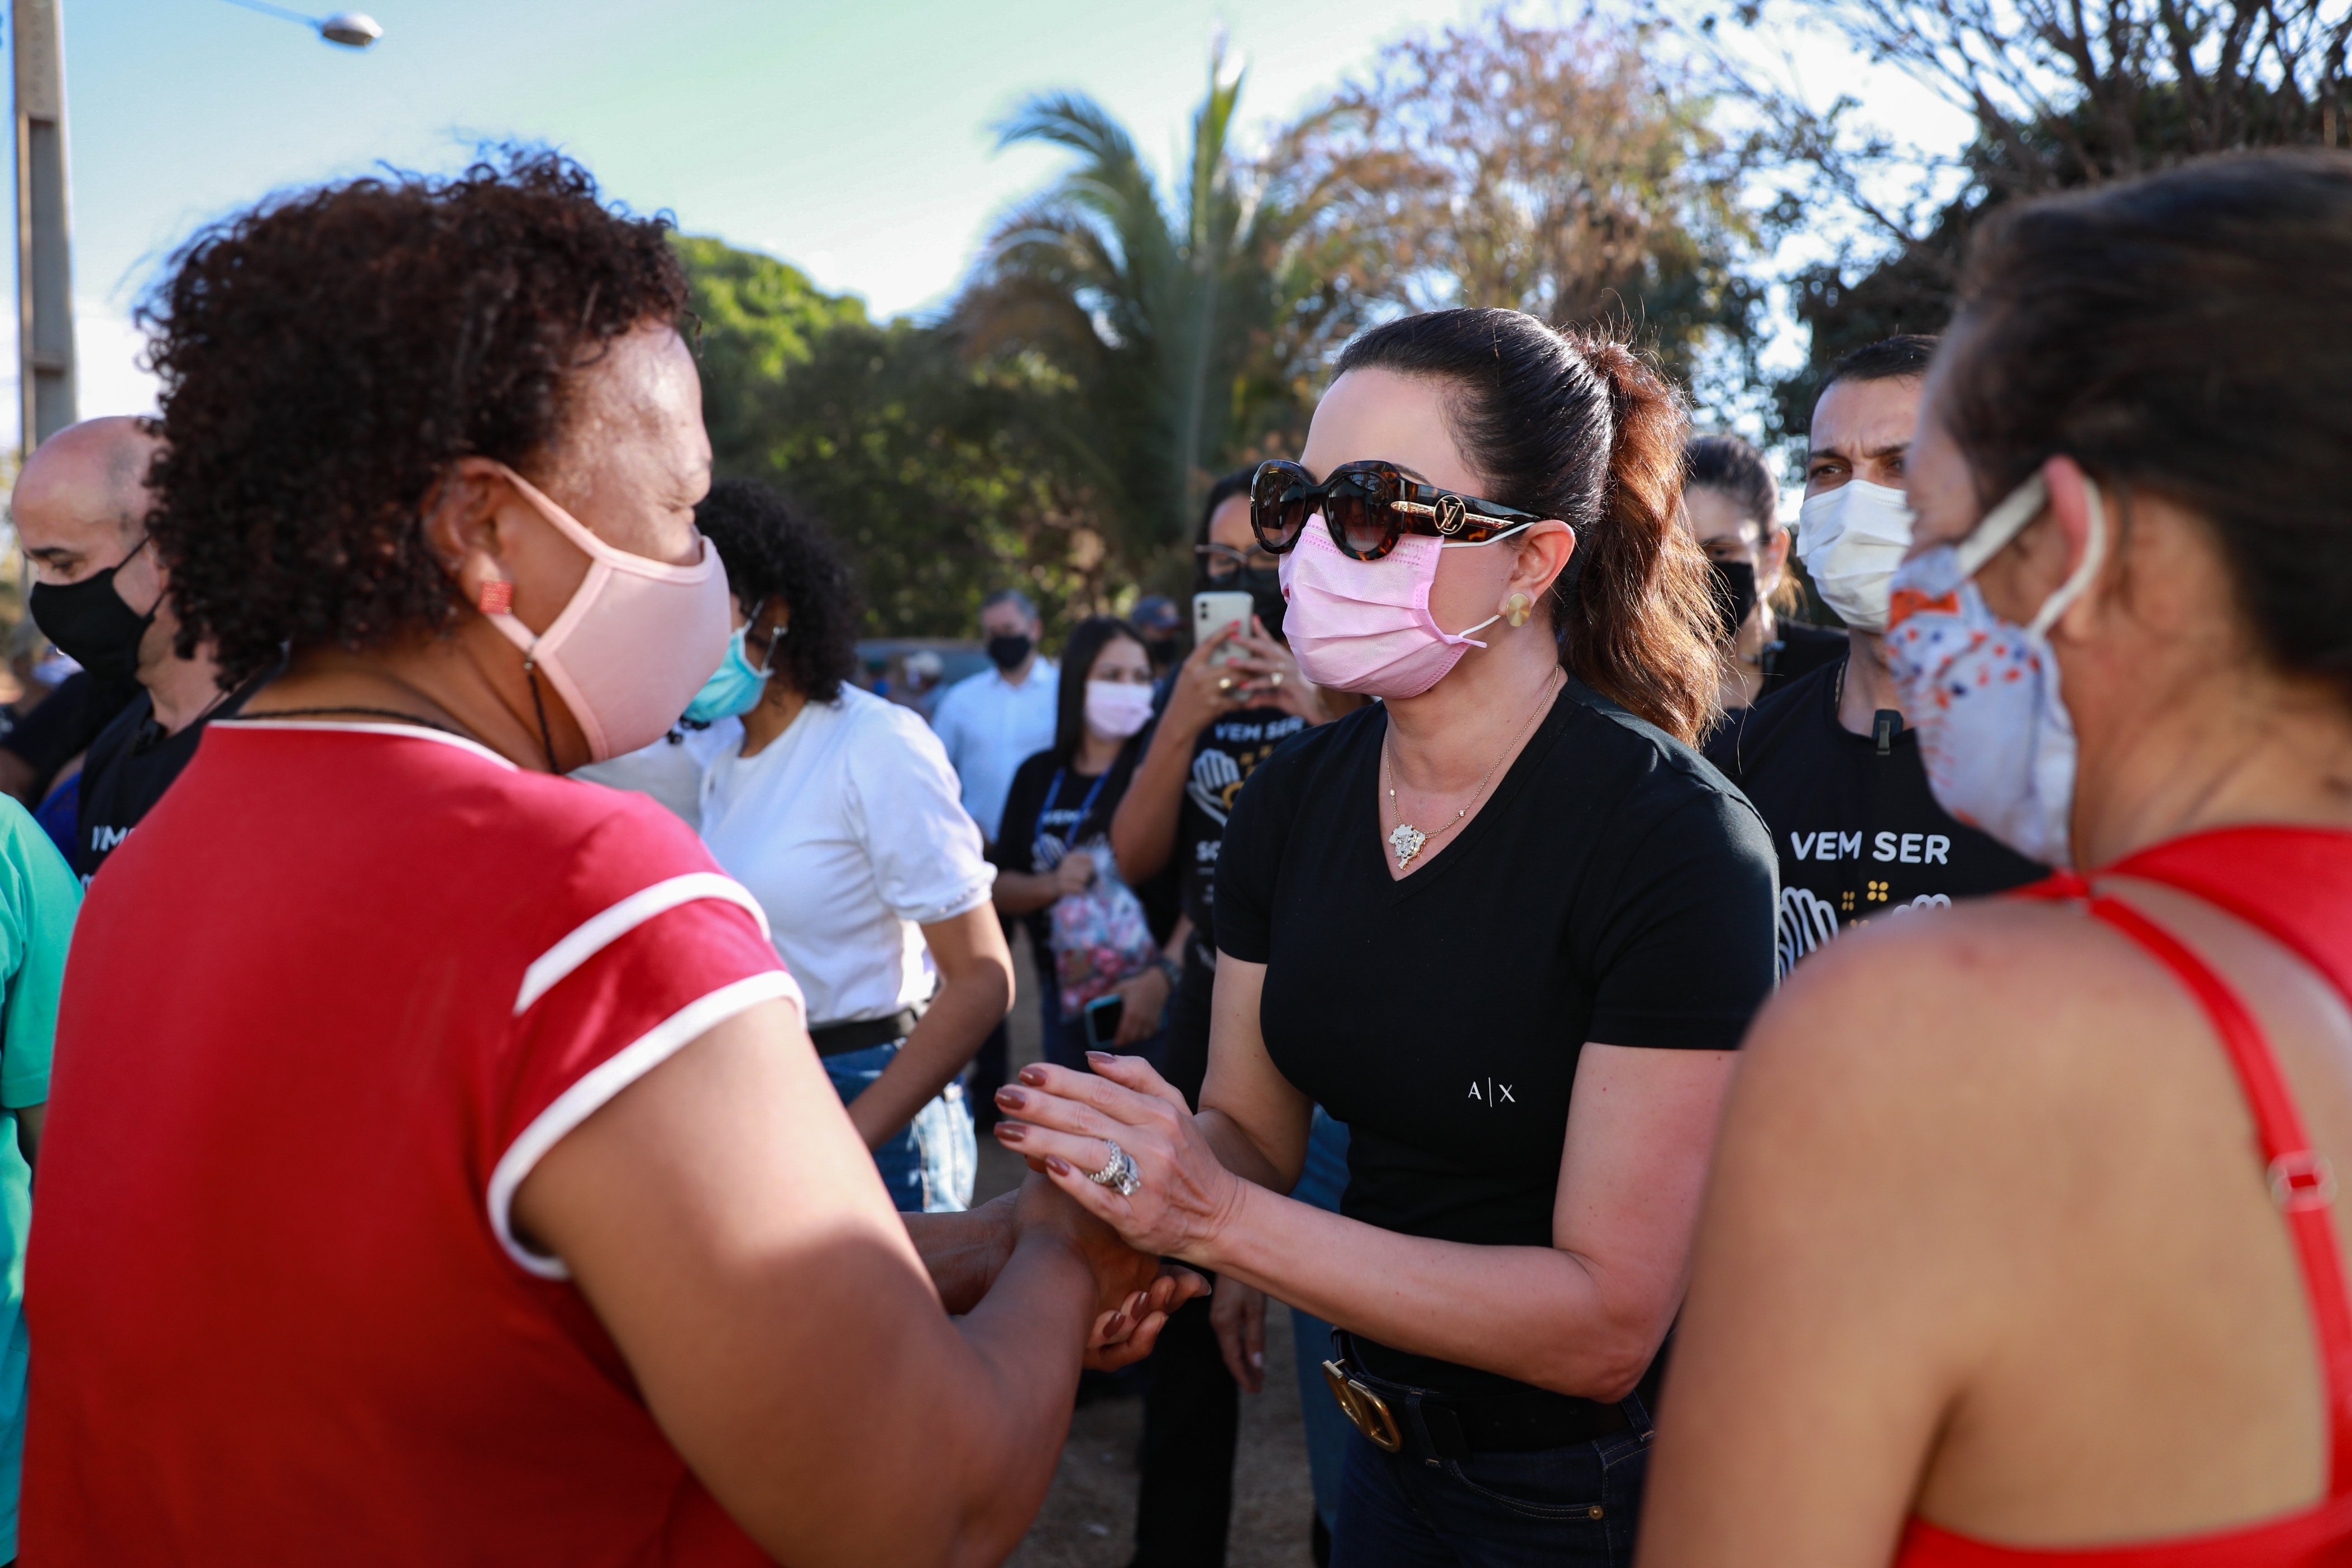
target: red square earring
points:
(498, 597)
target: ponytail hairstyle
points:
(2188, 333)
(1578, 426)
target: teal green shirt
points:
(40, 897)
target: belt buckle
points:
(1362, 1407)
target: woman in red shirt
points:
(2021, 1244)
(440, 1171)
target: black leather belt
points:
(863, 1034)
(1396, 1415)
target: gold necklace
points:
(1405, 840)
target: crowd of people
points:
(503, 1019)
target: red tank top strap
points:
(2301, 1182)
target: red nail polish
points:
(1011, 1133)
(1033, 1077)
(1011, 1098)
(1056, 1165)
(1098, 1057)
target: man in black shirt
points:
(1830, 761)
(99, 593)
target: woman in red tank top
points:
(2021, 1242)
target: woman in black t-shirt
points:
(1508, 926)
(1061, 797)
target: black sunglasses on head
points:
(1368, 506)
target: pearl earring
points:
(1517, 608)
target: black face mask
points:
(1734, 583)
(90, 623)
(1006, 653)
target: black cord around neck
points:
(546, 739)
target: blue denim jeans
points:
(1575, 1506)
(1327, 1426)
(931, 1165)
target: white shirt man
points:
(992, 723)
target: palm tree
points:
(1186, 323)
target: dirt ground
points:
(1089, 1519)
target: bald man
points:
(99, 593)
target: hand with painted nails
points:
(1180, 1195)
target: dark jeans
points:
(1191, 1414)
(1574, 1506)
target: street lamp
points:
(45, 334)
(352, 29)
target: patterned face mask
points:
(1982, 693)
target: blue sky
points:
(850, 138)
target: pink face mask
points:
(635, 644)
(1364, 625)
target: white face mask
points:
(1851, 540)
(1983, 693)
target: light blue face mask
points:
(734, 687)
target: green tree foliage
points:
(1121, 341)
(941, 480)
(2062, 96)
(1186, 321)
(1556, 170)
(759, 318)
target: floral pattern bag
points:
(1099, 937)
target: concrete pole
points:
(45, 331)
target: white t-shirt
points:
(990, 727)
(670, 770)
(847, 831)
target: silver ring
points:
(1119, 1171)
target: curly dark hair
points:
(774, 552)
(327, 356)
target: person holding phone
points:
(1229, 705)
(1463, 922)
(1063, 797)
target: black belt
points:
(863, 1034)
(1394, 1415)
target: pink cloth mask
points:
(1364, 625)
(635, 644)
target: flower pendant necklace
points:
(1405, 840)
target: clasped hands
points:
(1134, 1291)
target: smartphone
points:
(1103, 1016)
(1212, 612)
